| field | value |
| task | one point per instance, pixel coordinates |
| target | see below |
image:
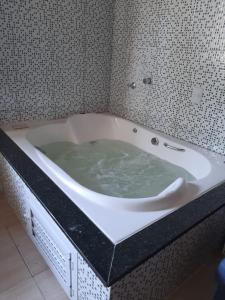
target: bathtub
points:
(120, 217)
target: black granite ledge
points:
(110, 262)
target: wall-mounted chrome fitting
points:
(132, 85)
(147, 80)
(155, 141)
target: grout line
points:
(36, 284)
(31, 275)
(11, 238)
(15, 286)
(20, 253)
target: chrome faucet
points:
(147, 80)
(132, 85)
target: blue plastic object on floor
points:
(220, 276)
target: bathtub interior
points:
(89, 127)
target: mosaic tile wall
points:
(181, 45)
(54, 58)
(154, 279)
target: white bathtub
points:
(120, 217)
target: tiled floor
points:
(23, 273)
(25, 276)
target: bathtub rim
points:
(100, 214)
(203, 183)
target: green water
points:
(114, 168)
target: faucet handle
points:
(132, 85)
(147, 80)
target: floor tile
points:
(27, 249)
(32, 258)
(4, 207)
(2, 196)
(17, 233)
(25, 290)
(6, 243)
(7, 216)
(20, 260)
(7, 219)
(49, 286)
(13, 270)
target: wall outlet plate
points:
(197, 94)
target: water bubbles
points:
(115, 168)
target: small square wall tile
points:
(194, 128)
(37, 112)
(217, 141)
(207, 69)
(44, 47)
(172, 65)
(10, 116)
(162, 115)
(68, 106)
(142, 20)
(208, 25)
(175, 24)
